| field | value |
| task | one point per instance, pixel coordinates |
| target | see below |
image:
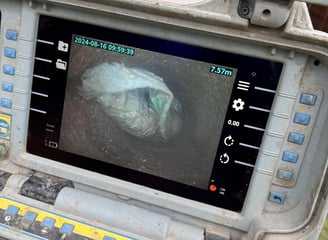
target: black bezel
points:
(231, 180)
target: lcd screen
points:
(169, 115)
(144, 110)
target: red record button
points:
(212, 188)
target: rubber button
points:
(296, 138)
(9, 70)
(12, 35)
(10, 52)
(308, 99)
(284, 175)
(7, 87)
(6, 103)
(12, 210)
(67, 228)
(302, 118)
(30, 216)
(277, 198)
(290, 156)
(48, 222)
(109, 238)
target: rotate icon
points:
(224, 158)
(229, 141)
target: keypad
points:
(46, 225)
(299, 131)
(7, 85)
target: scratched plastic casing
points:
(286, 198)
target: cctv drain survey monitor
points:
(159, 120)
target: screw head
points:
(245, 10)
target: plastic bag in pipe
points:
(137, 100)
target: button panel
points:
(41, 224)
(298, 134)
(7, 80)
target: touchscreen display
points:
(159, 113)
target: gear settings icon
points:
(238, 104)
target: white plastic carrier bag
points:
(137, 100)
